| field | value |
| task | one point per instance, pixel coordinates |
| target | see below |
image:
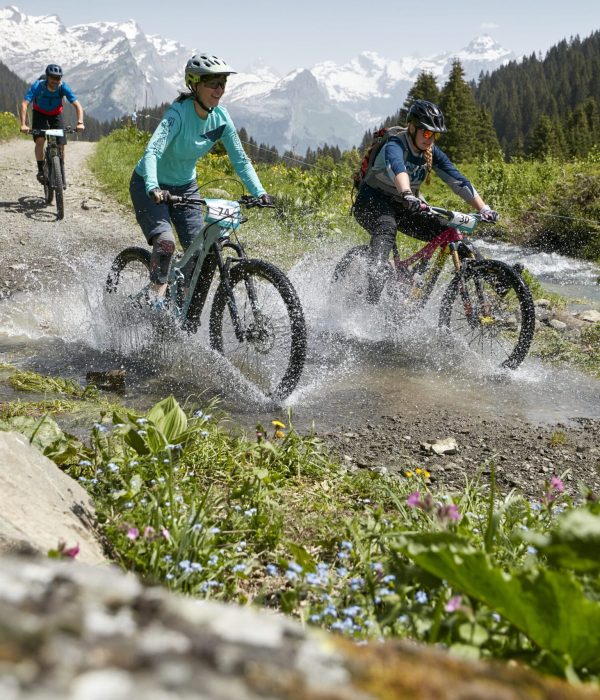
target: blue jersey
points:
(399, 155)
(182, 137)
(47, 101)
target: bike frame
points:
(445, 242)
(207, 242)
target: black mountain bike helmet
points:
(426, 115)
(54, 69)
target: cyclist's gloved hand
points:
(160, 196)
(266, 200)
(410, 202)
(489, 215)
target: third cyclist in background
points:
(46, 97)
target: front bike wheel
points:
(57, 181)
(48, 189)
(489, 307)
(269, 348)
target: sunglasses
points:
(214, 83)
(427, 134)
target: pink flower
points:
(557, 484)
(453, 604)
(449, 512)
(133, 533)
(149, 532)
(70, 552)
(414, 500)
(165, 533)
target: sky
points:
(288, 34)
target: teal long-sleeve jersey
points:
(182, 138)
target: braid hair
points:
(428, 155)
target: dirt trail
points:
(31, 238)
(33, 241)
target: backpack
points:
(380, 138)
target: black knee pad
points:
(160, 260)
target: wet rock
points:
(109, 380)
(447, 446)
(590, 315)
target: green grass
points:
(271, 519)
(9, 126)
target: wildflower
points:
(294, 566)
(167, 557)
(133, 533)
(250, 512)
(531, 550)
(277, 424)
(342, 571)
(385, 591)
(352, 611)
(312, 579)
(196, 527)
(414, 500)
(453, 604)
(241, 546)
(214, 530)
(496, 617)
(448, 512)
(196, 566)
(82, 478)
(271, 569)
(356, 583)
(331, 611)
(141, 421)
(142, 433)
(213, 560)
(377, 567)
(421, 597)
(239, 568)
(185, 564)
(314, 618)
(100, 428)
(113, 467)
(174, 447)
(291, 575)
(165, 533)
(85, 463)
(408, 474)
(389, 578)
(557, 484)
(342, 555)
(129, 504)
(169, 577)
(346, 545)
(70, 552)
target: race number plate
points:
(223, 212)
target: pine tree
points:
(425, 88)
(460, 142)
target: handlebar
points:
(245, 200)
(42, 132)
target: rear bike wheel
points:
(350, 278)
(129, 274)
(272, 348)
(57, 182)
(489, 307)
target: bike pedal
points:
(41, 178)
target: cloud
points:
(489, 25)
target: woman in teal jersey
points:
(190, 127)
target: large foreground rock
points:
(75, 632)
(40, 505)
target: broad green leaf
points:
(302, 557)
(573, 544)
(548, 606)
(169, 418)
(136, 441)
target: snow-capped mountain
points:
(116, 68)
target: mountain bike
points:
(54, 167)
(487, 304)
(256, 319)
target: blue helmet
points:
(54, 69)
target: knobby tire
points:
(478, 305)
(273, 326)
(58, 187)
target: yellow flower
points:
(277, 424)
(409, 474)
(426, 474)
(418, 470)
(279, 434)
